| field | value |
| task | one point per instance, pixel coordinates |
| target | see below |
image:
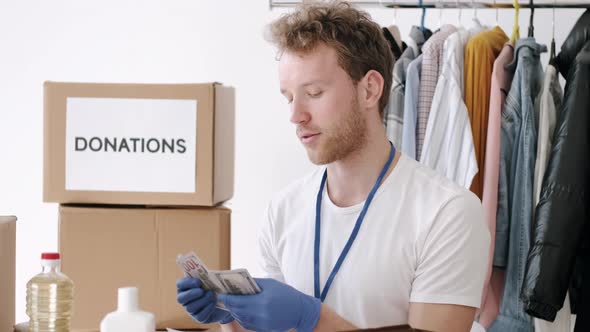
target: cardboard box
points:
(107, 248)
(138, 144)
(8, 274)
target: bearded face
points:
(323, 103)
(337, 140)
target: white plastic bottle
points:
(128, 317)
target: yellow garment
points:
(515, 35)
(516, 30)
(480, 53)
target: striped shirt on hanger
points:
(431, 69)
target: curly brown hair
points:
(357, 39)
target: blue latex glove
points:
(199, 303)
(278, 307)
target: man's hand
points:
(200, 304)
(277, 307)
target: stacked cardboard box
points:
(140, 171)
(7, 271)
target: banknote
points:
(234, 282)
(194, 267)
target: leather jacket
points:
(561, 226)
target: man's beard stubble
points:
(342, 139)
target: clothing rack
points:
(451, 3)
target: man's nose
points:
(299, 112)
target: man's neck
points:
(350, 180)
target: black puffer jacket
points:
(561, 229)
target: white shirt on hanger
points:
(423, 240)
(448, 144)
(411, 108)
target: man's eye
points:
(315, 95)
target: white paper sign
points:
(136, 145)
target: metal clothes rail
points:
(451, 3)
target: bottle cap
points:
(50, 255)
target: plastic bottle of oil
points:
(50, 297)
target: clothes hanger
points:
(440, 11)
(552, 57)
(410, 42)
(475, 19)
(394, 29)
(393, 36)
(516, 28)
(459, 13)
(394, 12)
(531, 23)
(497, 24)
(420, 3)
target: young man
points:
(408, 245)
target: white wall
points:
(174, 41)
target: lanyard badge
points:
(355, 230)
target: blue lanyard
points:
(357, 226)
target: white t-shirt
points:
(423, 240)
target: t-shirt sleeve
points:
(268, 261)
(453, 255)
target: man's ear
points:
(372, 89)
